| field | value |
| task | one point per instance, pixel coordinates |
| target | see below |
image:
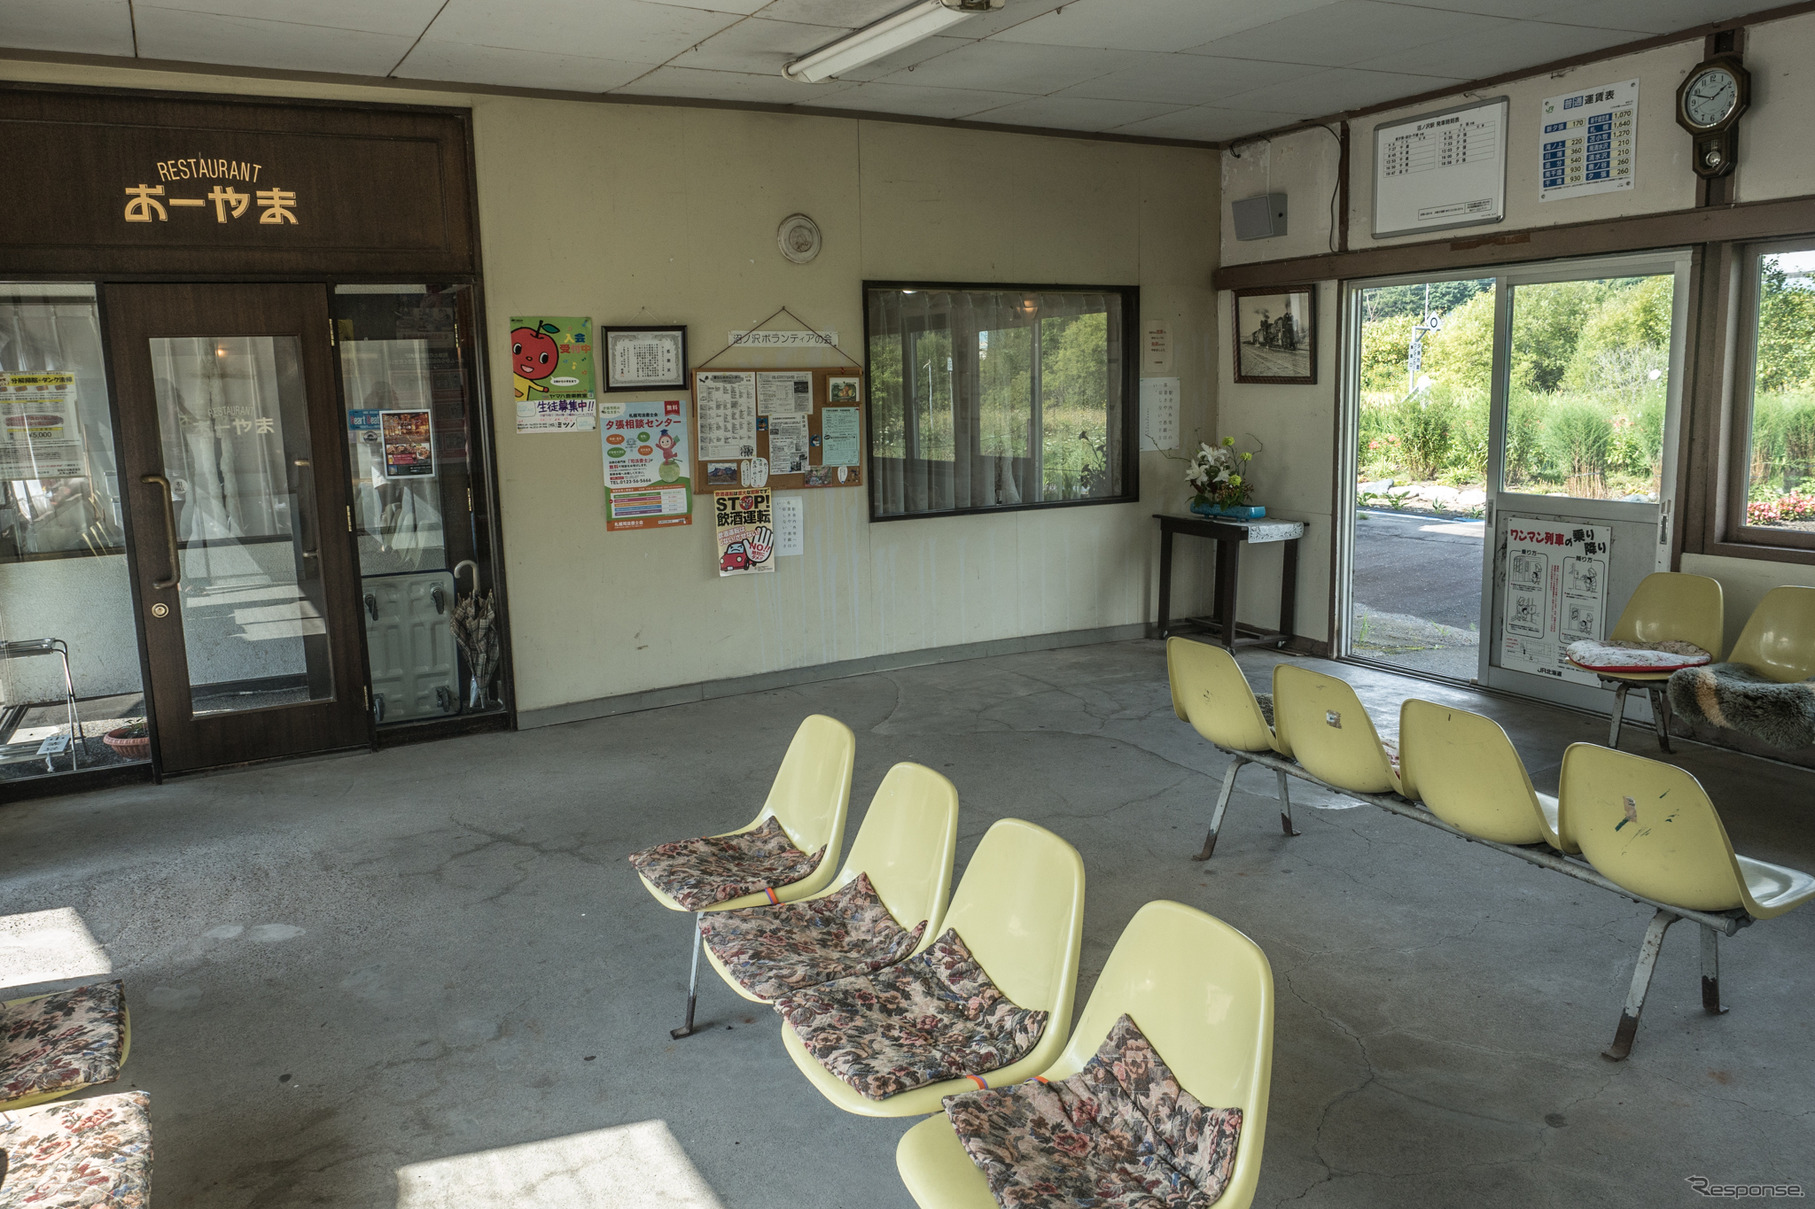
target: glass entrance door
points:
(234, 464)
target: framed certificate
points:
(645, 358)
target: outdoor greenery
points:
(1780, 491)
(1074, 398)
(1588, 375)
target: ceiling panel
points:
(83, 27)
(1188, 79)
(757, 46)
(1481, 55)
(1205, 69)
(1073, 113)
(632, 31)
(405, 18)
(948, 103)
(1348, 32)
(731, 86)
(1015, 67)
(1153, 25)
(1206, 123)
(1334, 91)
(436, 59)
(168, 33)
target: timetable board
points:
(1441, 170)
(1585, 143)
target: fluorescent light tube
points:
(885, 37)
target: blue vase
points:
(1238, 512)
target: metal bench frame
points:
(1714, 924)
(25, 648)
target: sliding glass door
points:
(1518, 427)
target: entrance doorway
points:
(232, 457)
(1509, 446)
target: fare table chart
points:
(1230, 536)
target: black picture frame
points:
(1268, 350)
(607, 341)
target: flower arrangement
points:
(1216, 474)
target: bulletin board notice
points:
(778, 428)
(1441, 170)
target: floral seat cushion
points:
(1120, 1133)
(1617, 656)
(774, 950)
(91, 1154)
(59, 1043)
(716, 868)
(933, 1017)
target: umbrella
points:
(474, 625)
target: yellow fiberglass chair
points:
(905, 844)
(1779, 639)
(1668, 606)
(1330, 733)
(1467, 773)
(1649, 828)
(809, 798)
(1201, 992)
(62, 1042)
(1210, 692)
(1020, 911)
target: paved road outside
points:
(1418, 591)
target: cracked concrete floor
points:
(345, 971)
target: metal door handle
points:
(176, 563)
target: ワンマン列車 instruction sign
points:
(551, 373)
(1554, 581)
(648, 469)
(1586, 140)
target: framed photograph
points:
(843, 392)
(645, 358)
(1276, 336)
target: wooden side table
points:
(1230, 536)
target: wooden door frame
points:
(136, 313)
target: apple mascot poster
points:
(551, 373)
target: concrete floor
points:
(427, 976)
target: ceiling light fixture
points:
(872, 42)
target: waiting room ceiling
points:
(1178, 69)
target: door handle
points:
(176, 564)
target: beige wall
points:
(637, 213)
(1300, 466)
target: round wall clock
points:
(799, 238)
(1708, 105)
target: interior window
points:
(984, 398)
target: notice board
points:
(1441, 170)
(779, 428)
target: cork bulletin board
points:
(786, 428)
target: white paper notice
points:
(1441, 170)
(1156, 347)
(1555, 594)
(788, 444)
(727, 415)
(784, 394)
(40, 432)
(1159, 413)
(790, 525)
(1585, 141)
(840, 433)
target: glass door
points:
(234, 465)
(1587, 387)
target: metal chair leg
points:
(1222, 804)
(1641, 982)
(693, 982)
(1285, 806)
(1619, 714)
(1660, 716)
(1711, 972)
